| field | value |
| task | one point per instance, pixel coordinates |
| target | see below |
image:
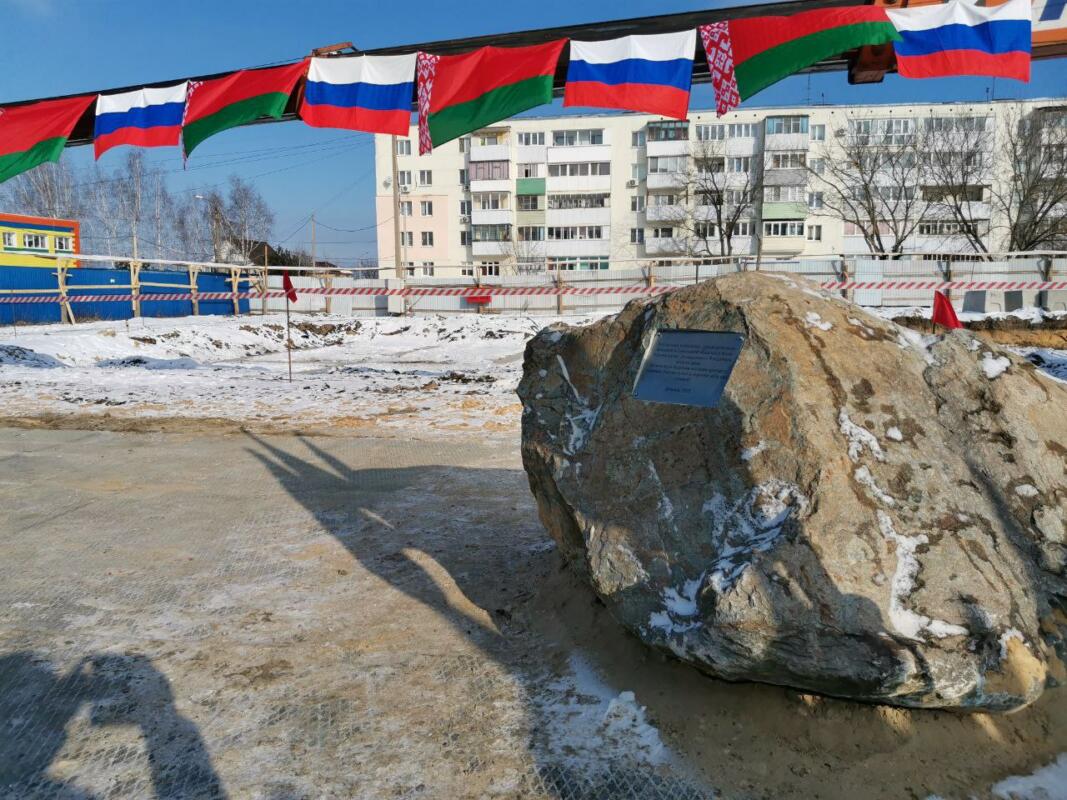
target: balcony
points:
(578, 247)
(490, 152)
(786, 141)
(491, 216)
(530, 186)
(674, 213)
(786, 210)
(502, 185)
(530, 154)
(673, 246)
(785, 177)
(578, 216)
(579, 183)
(783, 245)
(492, 248)
(673, 148)
(578, 153)
(664, 180)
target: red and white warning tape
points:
(518, 291)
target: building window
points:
(531, 138)
(464, 144)
(578, 263)
(34, 241)
(403, 177)
(663, 233)
(663, 199)
(490, 268)
(637, 139)
(815, 200)
(704, 230)
(464, 208)
(637, 202)
(579, 169)
(638, 172)
(490, 138)
(563, 233)
(778, 229)
(464, 238)
(489, 170)
(564, 201)
(739, 164)
(463, 177)
(637, 235)
(531, 170)
(63, 244)
(711, 133)
(492, 233)
(742, 130)
(818, 133)
(427, 238)
(9, 239)
(426, 177)
(532, 233)
(578, 137)
(665, 165)
(403, 147)
(427, 269)
(426, 208)
(529, 202)
(743, 228)
(491, 201)
(737, 197)
(785, 194)
(815, 233)
(787, 124)
(817, 165)
(672, 131)
(789, 160)
(405, 208)
(407, 238)
(467, 271)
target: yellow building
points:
(23, 239)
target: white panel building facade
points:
(585, 192)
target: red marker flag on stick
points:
(287, 285)
(944, 313)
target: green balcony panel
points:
(530, 186)
(785, 210)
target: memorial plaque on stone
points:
(687, 367)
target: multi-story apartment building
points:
(585, 192)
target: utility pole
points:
(313, 240)
(396, 216)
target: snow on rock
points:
(13, 355)
(750, 453)
(680, 606)
(859, 438)
(813, 320)
(894, 434)
(1047, 783)
(994, 366)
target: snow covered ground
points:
(422, 373)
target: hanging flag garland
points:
(460, 94)
(755, 52)
(37, 133)
(219, 104)
(652, 73)
(960, 38)
(141, 118)
(362, 93)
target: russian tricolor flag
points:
(637, 73)
(142, 118)
(960, 38)
(360, 93)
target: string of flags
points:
(459, 94)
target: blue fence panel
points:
(166, 308)
(214, 282)
(86, 311)
(28, 278)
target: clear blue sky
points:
(67, 46)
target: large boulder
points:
(870, 513)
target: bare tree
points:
(246, 217)
(1030, 190)
(870, 173)
(957, 153)
(50, 190)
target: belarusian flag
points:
(460, 94)
(37, 133)
(748, 55)
(219, 104)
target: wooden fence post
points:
(559, 290)
(235, 283)
(66, 314)
(329, 299)
(135, 287)
(265, 288)
(194, 289)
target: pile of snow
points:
(1048, 783)
(24, 357)
(1051, 362)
